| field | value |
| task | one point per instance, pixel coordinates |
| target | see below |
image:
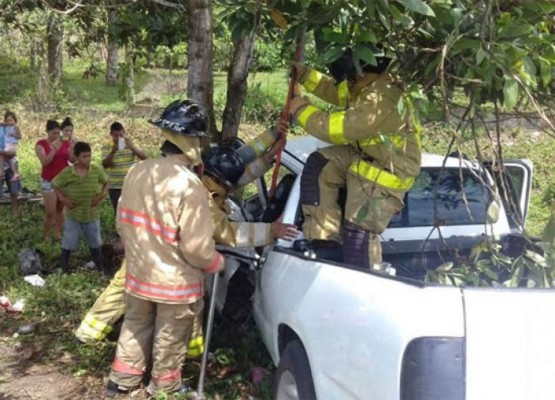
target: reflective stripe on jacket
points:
(370, 121)
(165, 223)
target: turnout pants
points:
(158, 332)
(110, 307)
(106, 311)
(368, 205)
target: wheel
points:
(293, 376)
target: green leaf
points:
(363, 212)
(510, 92)
(333, 36)
(367, 36)
(332, 53)
(545, 71)
(418, 6)
(445, 267)
(466, 43)
(364, 53)
(401, 109)
(405, 20)
(491, 274)
(480, 55)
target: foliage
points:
(489, 266)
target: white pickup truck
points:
(336, 331)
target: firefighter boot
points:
(356, 246)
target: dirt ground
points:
(22, 378)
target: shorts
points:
(73, 230)
(14, 188)
(46, 186)
(11, 147)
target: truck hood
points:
(510, 343)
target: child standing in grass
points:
(81, 187)
(8, 144)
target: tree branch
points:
(169, 4)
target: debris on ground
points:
(26, 329)
(31, 261)
(16, 307)
(5, 302)
(90, 265)
(35, 280)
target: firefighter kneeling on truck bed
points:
(375, 155)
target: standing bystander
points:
(54, 156)
(117, 157)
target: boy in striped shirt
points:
(117, 157)
(81, 187)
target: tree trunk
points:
(112, 59)
(55, 36)
(237, 85)
(130, 76)
(200, 80)
(34, 53)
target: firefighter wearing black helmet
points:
(375, 155)
(227, 168)
(165, 224)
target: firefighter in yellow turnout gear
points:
(375, 156)
(164, 221)
(259, 153)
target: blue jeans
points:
(13, 187)
(73, 230)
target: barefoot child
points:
(12, 135)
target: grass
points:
(58, 307)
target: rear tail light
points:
(433, 369)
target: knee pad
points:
(310, 187)
(356, 242)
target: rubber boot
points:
(98, 259)
(64, 261)
(113, 389)
(356, 246)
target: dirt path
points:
(25, 373)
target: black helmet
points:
(224, 164)
(344, 67)
(184, 117)
(233, 142)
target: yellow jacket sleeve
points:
(238, 234)
(324, 87)
(373, 113)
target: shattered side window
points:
(444, 197)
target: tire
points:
(293, 377)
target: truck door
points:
(514, 181)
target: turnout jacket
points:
(231, 233)
(369, 120)
(164, 220)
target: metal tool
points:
(199, 394)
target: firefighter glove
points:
(298, 103)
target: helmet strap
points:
(168, 148)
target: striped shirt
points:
(81, 190)
(121, 162)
